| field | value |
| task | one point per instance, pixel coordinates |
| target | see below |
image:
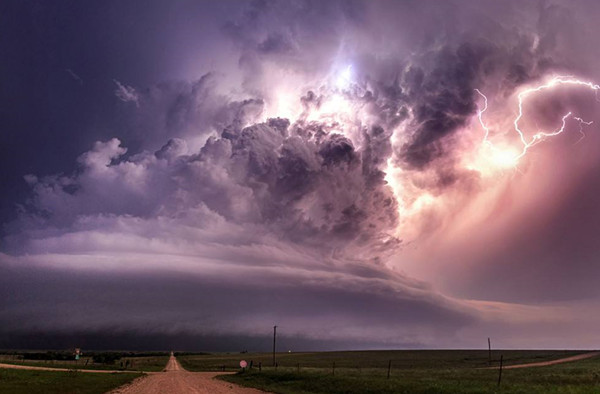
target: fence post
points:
(333, 369)
(500, 373)
(389, 368)
(298, 367)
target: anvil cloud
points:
(315, 165)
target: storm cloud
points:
(316, 165)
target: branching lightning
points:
(538, 137)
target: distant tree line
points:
(177, 354)
(129, 354)
(62, 356)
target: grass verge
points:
(14, 381)
(578, 378)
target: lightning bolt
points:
(581, 123)
(540, 135)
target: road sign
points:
(243, 364)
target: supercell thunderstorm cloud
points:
(364, 174)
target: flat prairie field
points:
(133, 364)
(410, 371)
(17, 381)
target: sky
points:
(362, 174)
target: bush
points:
(106, 358)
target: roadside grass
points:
(14, 381)
(574, 378)
(145, 364)
(418, 372)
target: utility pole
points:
(274, 342)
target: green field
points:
(420, 371)
(44, 382)
(145, 364)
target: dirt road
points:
(176, 380)
(551, 362)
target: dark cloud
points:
(199, 305)
(441, 94)
(444, 101)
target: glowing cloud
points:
(507, 157)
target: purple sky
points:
(189, 174)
